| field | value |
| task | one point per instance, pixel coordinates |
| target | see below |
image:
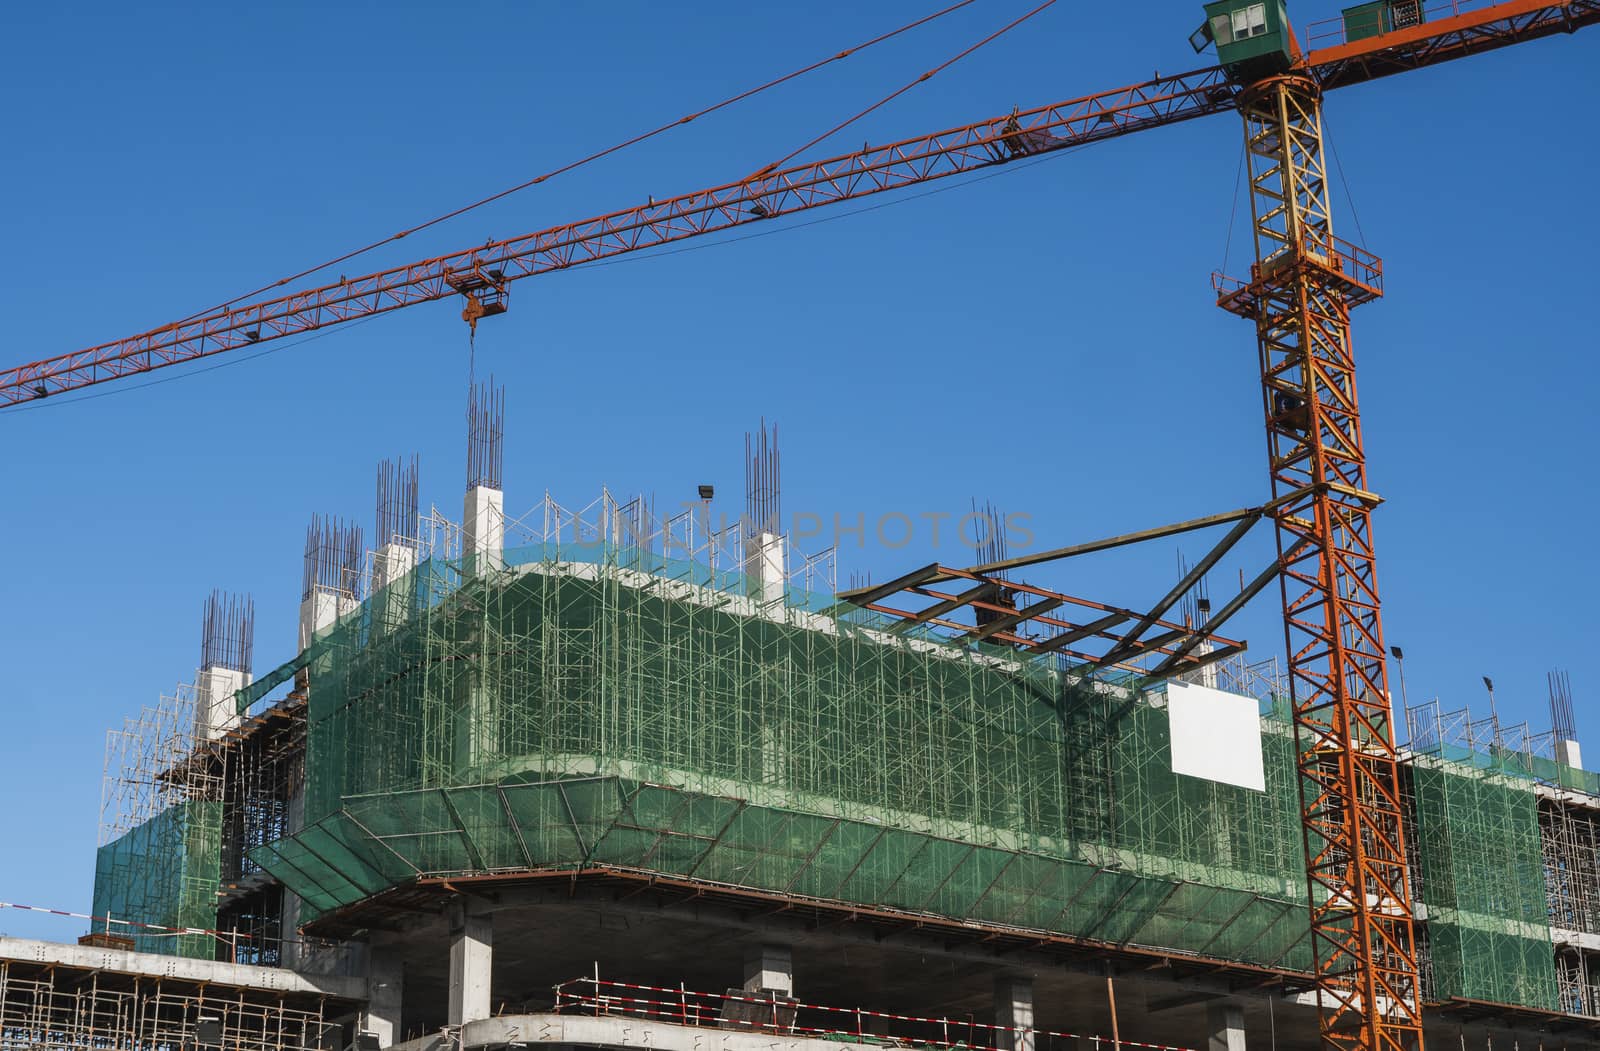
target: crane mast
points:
(1303, 284)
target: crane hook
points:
(484, 291)
(472, 312)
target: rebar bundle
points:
(397, 502)
(227, 638)
(486, 422)
(1562, 717)
(333, 557)
(763, 492)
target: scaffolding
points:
(1483, 881)
(1570, 832)
(1514, 749)
(49, 1008)
(1569, 829)
(618, 695)
(160, 840)
(1492, 799)
(264, 768)
(180, 814)
(1578, 979)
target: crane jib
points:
(1153, 103)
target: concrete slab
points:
(122, 961)
(585, 1031)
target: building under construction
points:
(607, 768)
(602, 777)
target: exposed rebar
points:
(397, 502)
(486, 419)
(1195, 605)
(992, 547)
(333, 557)
(228, 630)
(763, 491)
(1562, 717)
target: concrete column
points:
(392, 562)
(471, 960)
(483, 530)
(385, 986)
(477, 726)
(1569, 754)
(390, 565)
(320, 611)
(1225, 1027)
(769, 968)
(1013, 1013)
(765, 579)
(483, 544)
(215, 710)
(1206, 676)
(289, 954)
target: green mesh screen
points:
(1521, 765)
(164, 872)
(378, 841)
(1483, 882)
(617, 708)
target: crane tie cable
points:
(273, 348)
(454, 213)
(929, 75)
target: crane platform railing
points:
(1355, 272)
(1333, 32)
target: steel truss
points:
(1302, 287)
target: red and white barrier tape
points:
(125, 923)
(680, 1005)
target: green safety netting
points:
(955, 780)
(165, 873)
(1521, 765)
(383, 840)
(1483, 880)
(588, 705)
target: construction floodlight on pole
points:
(1494, 711)
(1400, 665)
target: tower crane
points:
(1299, 294)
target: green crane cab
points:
(1252, 38)
(1383, 16)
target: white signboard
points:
(1215, 735)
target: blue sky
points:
(1044, 339)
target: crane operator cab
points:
(1253, 39)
